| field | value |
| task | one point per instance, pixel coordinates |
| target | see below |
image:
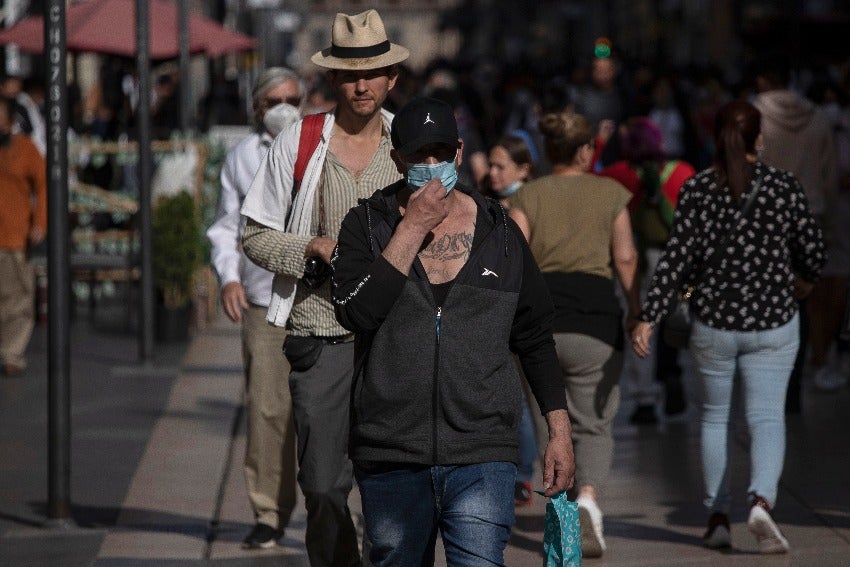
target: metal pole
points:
(186, 118)
(143, 123)
(58, 271)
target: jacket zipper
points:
(435, 393)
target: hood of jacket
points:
(786, 109)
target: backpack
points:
(311, 133)
(654, 216)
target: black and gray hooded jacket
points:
(438, 384)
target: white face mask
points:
(510, 189)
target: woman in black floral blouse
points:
(745, 308)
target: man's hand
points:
(233, 300)
(321, 247)
(427, 207)
(559, 465)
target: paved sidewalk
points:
(157, 477)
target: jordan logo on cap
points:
(428, 119)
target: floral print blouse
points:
(749, 284)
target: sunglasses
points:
(273, 101)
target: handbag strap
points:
(736, 222)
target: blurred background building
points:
(498, 62)
(535, 37)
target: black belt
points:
(337, 340)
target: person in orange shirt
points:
(23, 223)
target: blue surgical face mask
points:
(510, 189)
(418, 174)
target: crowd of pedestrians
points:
(377, 219)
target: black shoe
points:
(717, 535)
(644, 415)
(262, 536)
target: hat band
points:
(360, 52)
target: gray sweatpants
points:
(591, 374)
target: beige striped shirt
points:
(313, 312)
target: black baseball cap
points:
(424, 121)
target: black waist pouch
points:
(302, 352)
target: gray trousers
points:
(320, 402)
(591, 374)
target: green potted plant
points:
(177, 253)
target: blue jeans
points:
(404, 506)
(763, 361)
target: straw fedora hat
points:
(360, 42)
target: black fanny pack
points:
(302, 352)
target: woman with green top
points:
(578, 227)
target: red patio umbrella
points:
(109, 26)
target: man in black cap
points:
(441, 290)
(291, 230)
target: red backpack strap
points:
(311, 132)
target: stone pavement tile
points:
(236, 518)
(259, 561)
(111, 418)
(174, 494)
(37, 547)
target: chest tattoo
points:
(450, 246)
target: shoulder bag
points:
(676, 327)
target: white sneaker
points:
(590, 519)
(829, 380)
(768, 536)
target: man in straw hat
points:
(293, 234)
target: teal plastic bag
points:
(562, 537)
